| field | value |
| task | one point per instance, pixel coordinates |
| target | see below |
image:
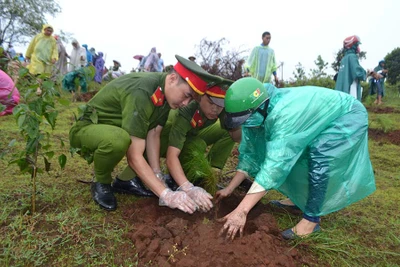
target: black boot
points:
(170, 182)
(102, 194)
(132, 187)
(246, 184)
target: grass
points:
(69, 230)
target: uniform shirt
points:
(184, 123)
(126, 102)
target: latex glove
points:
(223, 193)
(234, 223)
(200, 196)
(160, 176)
(177, 199)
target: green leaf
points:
(46, 164)
(32, 144)
(50, 154)
(62, 160)
(51, 118)
(37, 106)
(23, 165)
(21, 121)
(93, 117)
(45, 147)
(31, 126)
(62, 143)
(20, 108)
(63, 101)
(12, 143)
(81, 110)
(2, 107)
(47, 85)
(22, 72)
(29, 93)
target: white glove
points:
(160, 176)
(177, 199)
(200, 196)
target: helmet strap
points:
(263, 111)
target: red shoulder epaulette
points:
(197, 120)
(158, 97)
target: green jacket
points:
(127, 102)
(350, 71)
(186, 122)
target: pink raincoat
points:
(9, 94)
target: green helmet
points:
(243, 98)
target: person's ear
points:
(174, 77)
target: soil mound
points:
(383, 110)
(165, 237)
(379, 135)
(85, 97)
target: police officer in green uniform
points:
(126, 117)
(185, 138)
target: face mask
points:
(256, 119)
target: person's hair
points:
(180, 79)
(265, 33)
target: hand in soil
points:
(177, 199)
(223, 193)
(234, 223)
(201, 197)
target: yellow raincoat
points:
(41, 51)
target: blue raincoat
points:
(89, 57)
(312, 147)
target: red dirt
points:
(85, 97)
(165, 237)
(379, 135)
(383, 110)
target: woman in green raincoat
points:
(350, 72)
(42, 52)
(310, 143)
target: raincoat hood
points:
(74, 41)
(45, 26)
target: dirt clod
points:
(165, 237)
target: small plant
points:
(33, 116)
(385, 124)
(206, 221)
(176, 251)
(197, 166)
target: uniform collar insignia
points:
(158, 97)
(197, 120)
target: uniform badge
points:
(158, 97)
(197, 120)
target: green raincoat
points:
(41, 50)
(350, 74)
(261, 63)
(312, 147)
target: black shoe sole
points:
(105, 208)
